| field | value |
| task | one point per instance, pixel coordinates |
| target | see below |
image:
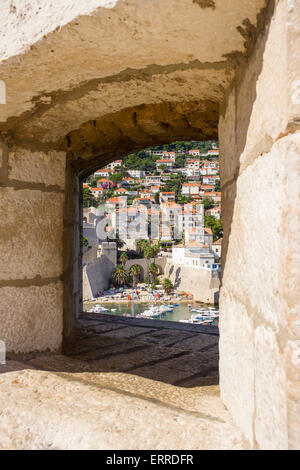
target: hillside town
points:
(147, 218)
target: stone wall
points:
(89, 253)
(31, 248)
(79, 81)
(144, 264)
(260, 163)
(204, 284)
(97, 274)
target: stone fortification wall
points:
(203, 283)
(260, 162)
(97, 274)
(31, 248)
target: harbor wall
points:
(96, 276)
(203, 283)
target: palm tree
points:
(148, 254)
(123, 258)
(167, 285)
(153, 272)
(135, 272)
(120, 276)
(118, 241)
(155, 250)
(141, 245)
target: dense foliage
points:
(215, 225)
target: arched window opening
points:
(146, 216)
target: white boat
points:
(150, 314)
(204, 318)
(99, 309)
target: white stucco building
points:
(193, 255)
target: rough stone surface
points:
(36, 216)
(101, 82)
(175, 61)
(202, 283)
(31, 317)
(271, 407)
(292, 361)
(237, 370)
(262, 96)
(77, 402)
(38, 167)
(260, 203)
(250, 273)
(227, 129)
(46, 410)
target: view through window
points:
(152, 235)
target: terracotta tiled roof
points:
(114, 200)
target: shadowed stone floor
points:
(126, 384)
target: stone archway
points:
(99, 89)
(141, 264)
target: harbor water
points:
(182, 312)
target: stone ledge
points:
(207, 330)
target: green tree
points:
(184, 199)
(153, 272)
(141, 245)
(135, 273)
(217, 230)
(87, 197)
(116, 177)
(156, 249)
(162, 168)
(148, 251)
(215, 225)
(167, 285)
(118, 241)
(179, 161)
(85, 241)
(218, 186)
(120, 276)
(123, 258)
(208, 203)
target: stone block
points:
(293, 61)
(259, 266)
(262, 94)
(31, 318)
(31, 234)
(229, 158)
(236, 348)
(38, 167)
(270, 392)
(292, 362)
